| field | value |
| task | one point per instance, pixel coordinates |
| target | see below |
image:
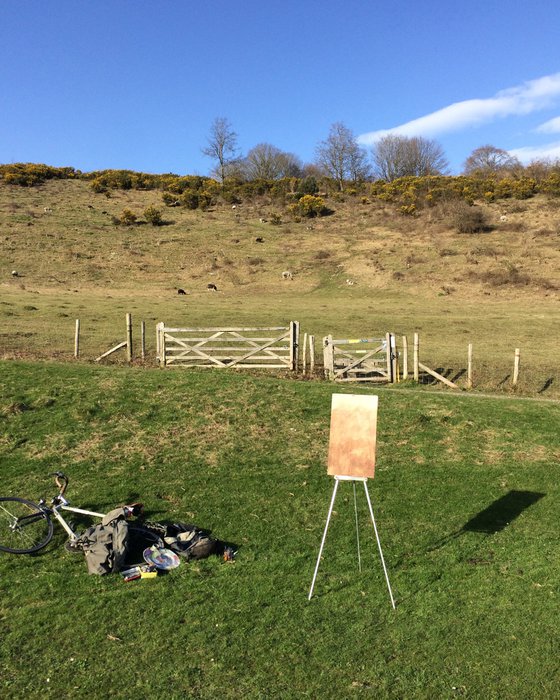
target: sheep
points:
(212, 287)
(287, 275)
(47, 210)
(15, 273)
(181, 291)
(350, 283)
(503, 217)
(259, 240)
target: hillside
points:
(364, 268)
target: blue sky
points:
(137, 83)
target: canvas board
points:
(353, 434)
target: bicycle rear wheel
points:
(24, 527)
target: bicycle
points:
(26, 527)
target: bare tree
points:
(222, 146)
(397, 156)
(489, 160)
(267, 162)
(341, 157)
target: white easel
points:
(352, 458)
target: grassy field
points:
(497, 290)
(466, 495)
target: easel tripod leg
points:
(379, 546)
(357, 528)
(323, 540)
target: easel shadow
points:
(495, 518)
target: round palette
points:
(161, 558)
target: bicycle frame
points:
(63, 504)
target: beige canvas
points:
(353, 435)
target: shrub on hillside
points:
(127, 218)
(469, 218)
(29, 174)
(153, 216)
(309, 206)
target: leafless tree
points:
(397, 156)
(222, 146)
(489, 160)
(341, 157)
(267, 162)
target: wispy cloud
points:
(526, 98)
(552, 126)
(548, 151)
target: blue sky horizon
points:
(136, 84)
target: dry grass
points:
(498, 289)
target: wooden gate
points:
(360, 359)
(275, 347)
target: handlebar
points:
(58, 477)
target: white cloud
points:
(528, 97)
(549, 151)
(552, 126)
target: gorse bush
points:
(309, 206)
(29, 174)
(153, 216)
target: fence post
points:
(405, 358)
(304, 357)
(311, 354)
(160, 343)
(129, 337)
(394, 359)
(143, 339)
(469, 366)
(516, 366)
(77, 339)
(416, 352)
(294, 345)
(389, 351)
(328, 356)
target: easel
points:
(352, 458)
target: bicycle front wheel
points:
(24, 527)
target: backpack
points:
(105, 545)
(187, 540)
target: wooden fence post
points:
(160, 343)
(389, 351)
(328, 356)
(304, 358)
(394, 359)
(516, 366)
(294, 345)
(405, 358)
(469, 366)
(77, 339)
(143, 339)
(311, 354)
(129, 337)
(416, 352)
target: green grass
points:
(245, 455)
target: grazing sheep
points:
(15, 273)
(259, 240)
(350, 283)
(47, 210)
(287, 275)
(263, 221)
(181, 291)
(212, 287)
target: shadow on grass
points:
(501, 513)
